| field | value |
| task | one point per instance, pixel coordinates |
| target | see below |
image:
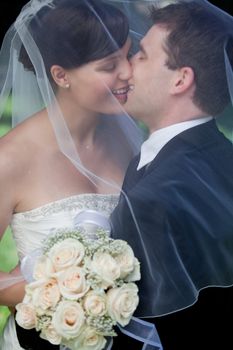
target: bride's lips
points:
(121, 93)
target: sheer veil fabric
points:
(31, 87)
(176, 266)
(49, 33)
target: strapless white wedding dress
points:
(30, 228)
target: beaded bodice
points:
(31, 227)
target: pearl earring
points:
(67, 86)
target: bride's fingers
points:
(16, 270)
(12, 309)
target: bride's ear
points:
(183, 80)
(59, 76)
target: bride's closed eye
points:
(109, 68)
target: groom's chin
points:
(129, 107)
(129, 104)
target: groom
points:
(181, 186)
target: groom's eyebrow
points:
(142, 48)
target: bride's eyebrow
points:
(116, 55)
(113, 57)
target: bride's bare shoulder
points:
(21, 143)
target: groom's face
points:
(151, 78)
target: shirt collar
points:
(158, 139)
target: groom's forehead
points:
(154, 38)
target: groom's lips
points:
(131, 87)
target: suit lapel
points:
(197, 137)
(133, 175)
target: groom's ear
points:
(183, 80)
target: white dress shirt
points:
(158, 139)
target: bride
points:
(68, 77)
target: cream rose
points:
(135, 275)
(72, 283)
(25, 316)
(106, 267)
(126, 260)
(89, 340)
(43, 268)
(51, 335)
(95, 303)
(69, 252)
(122, 302)
(30, 289)
(47, 295)
(68, 319)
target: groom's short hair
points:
(196, 38)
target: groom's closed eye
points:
(141, 53)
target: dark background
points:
(9, 10)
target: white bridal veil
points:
(177, 263)
(47, 32)
(27, 53)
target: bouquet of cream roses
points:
(82, 288)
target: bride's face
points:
(101, 86)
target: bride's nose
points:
(125, 70)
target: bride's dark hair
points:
(76, 32)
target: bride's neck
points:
(81, 122)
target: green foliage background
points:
(8, 254)
(8, 260)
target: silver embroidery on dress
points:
(98, 202)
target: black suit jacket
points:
(188, 190)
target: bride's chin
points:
(115, 110)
